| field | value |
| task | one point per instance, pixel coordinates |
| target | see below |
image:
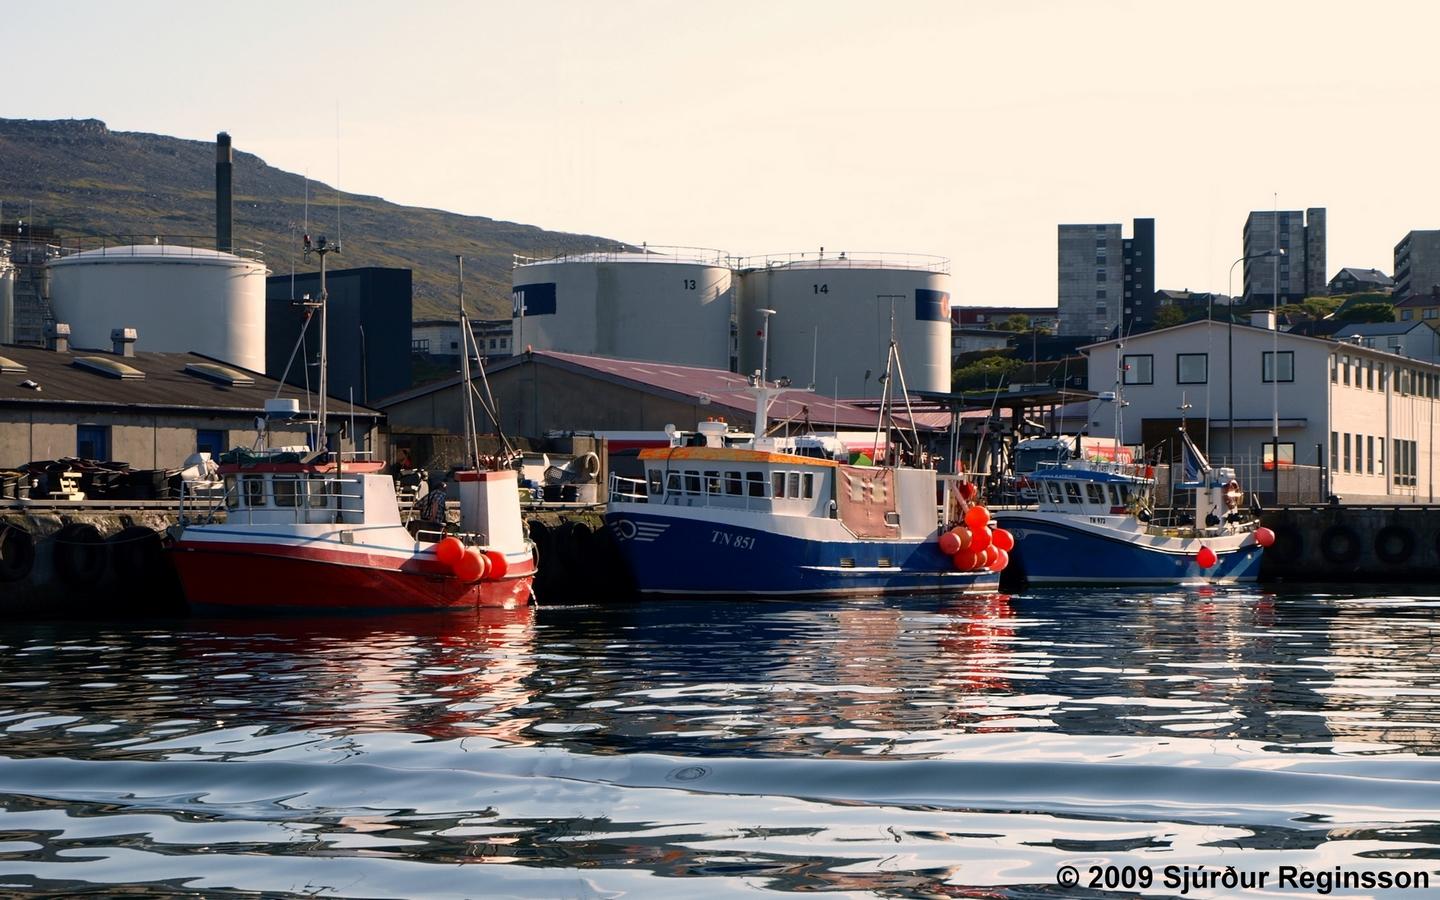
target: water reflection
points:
(957, 746)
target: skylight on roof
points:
(218, 374)
(8, 365)
(104, 365)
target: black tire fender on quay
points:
(1340, 544)
(1394, 544)
(136, 553)
(17, 553)
(80, 554)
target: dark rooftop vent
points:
(57, 337)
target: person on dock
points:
(430, 511)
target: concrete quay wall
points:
(1391, 543)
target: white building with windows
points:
(1366, 416)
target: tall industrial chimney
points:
(224, 165)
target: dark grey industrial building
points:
(1106, 280)
(369, 312)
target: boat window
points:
(232, 492)
(692, 482)
(655, 481)
(734, 486)
(672, 484)
(287, 490)
(792, 484)
(321, 490)
(756, 483)
(777, 484)
(712, 482)
(807, 489)
(1095, 493)
(1072, 491)
(1053, 489)
(254, 490)
(1115, 498)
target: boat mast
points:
(467, 338)
(762, 388)
(323, 248)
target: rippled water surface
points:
(902, 747)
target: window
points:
(1334, 370)
(211, 441)
(1287, 367)
(92, 442)
(1100, 309)
(1359, 455)
(1345, 442)
(232, 492)
(1095, 493)
(692, 482)
(1369, 375)
(655, 485)
(287, 490)
(777, 484)
(755, 481)
(1287, 455)
(1380, 461)
(322, 489)
(712, 482)
(1139, 369)
(1430, 313)
(1053, 490)
(1072, 492)
(1100, 275)
(1334, 449)
(1393, 342)
(1370, 454)
(807, 486)
(1191, 368)
(734, 486)
(1406, 315)
(254, 490)
(673, 485)
(1099, 293)
(792, 484)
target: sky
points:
(964, 129)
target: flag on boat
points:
(1193, 462)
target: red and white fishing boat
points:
(307, 531)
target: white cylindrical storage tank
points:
(179, 299)
(7, 299)
(832, 319)
(671, 305)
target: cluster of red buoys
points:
(975, 546)
(470, 563)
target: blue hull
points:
(676, 556)
(1053, 552)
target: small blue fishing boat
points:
(1095, 523)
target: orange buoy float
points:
(1206, 558)
(471, 566)
(949, 543)
(967, 490)
(977, 517)
(497, 564)
(449, 550)
(1002, 539)
(963, 561)
(1264, 536)
(980, 539)
(1002, 559)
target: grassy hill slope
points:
(85, 179)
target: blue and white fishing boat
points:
(1094, 523)
(775, 516)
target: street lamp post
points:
(1230, 342)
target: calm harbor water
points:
(920, 746)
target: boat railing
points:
(1130, 469)
(635, 490)
(305, 500)
(627, 490)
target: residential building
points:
(1300, 273)
(1417, 264)
(1367, 417)
(1413, 339)
(1420, 306)
(970, 340)
(1188, 299)
(1361, 281)
(441, 337)
(369, 312)
(1106, 281)
(149, 409)
(1045, 318)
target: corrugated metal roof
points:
(166, 384)
(722, 390)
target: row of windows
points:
(288, 491)
(1406, 462)
(1408, 315)
(798, 485)
(1373, 375)
(1118, 495)
(1194, 368)
(1357, 454)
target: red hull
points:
(281, 578)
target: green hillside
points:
(86, 180)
